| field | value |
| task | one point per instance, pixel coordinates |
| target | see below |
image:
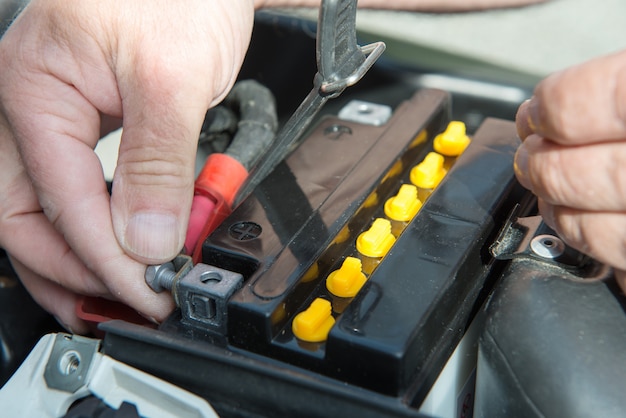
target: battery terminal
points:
(453, 141)
(314, 324)
(347, 280)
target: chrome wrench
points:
(341, 63)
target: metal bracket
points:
(63, 368)
(70, 361)
(530, 239)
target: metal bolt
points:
(547, 246)
(337, 131)
(160, 277)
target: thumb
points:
(167, 79)
(153, 183)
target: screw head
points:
(154, 275)
(547, 246)
(336, 131)
(245, 231)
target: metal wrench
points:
(341, 63)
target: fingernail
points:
(528, 119)
(521, 121)
(533, 117)
(521, 166)
(153, 235)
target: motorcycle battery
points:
(387, 343)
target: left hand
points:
(159, 65)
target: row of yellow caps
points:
(314, 324)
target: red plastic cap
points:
(202, 209)
(95, 310)
(221, 177)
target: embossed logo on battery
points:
(245, 231)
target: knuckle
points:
(569, 227)
(159, 74)
(615, 190)
(600, 239)
(593, 234)
(555, 116)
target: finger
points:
(417, 5)
(153, 182)
(31, 239)
(68, 180)
(164, 106)
(28, 235)
(580, 105)
(53, 298)
(592, 233)
(522, 121)
(589, 177)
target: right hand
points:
(574, 153)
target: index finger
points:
(580, 105)
(68, 180)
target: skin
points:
(574, 153)
(72, 70)
(417, 5)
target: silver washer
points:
(547, 246)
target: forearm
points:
(414, 5)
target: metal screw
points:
(547, 246)
(160, 277)
(337, 131)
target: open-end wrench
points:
(341, 63)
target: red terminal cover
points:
(222, 175)
(219, 181)
(215, 190)
(95, 310)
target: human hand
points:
(71, 66)
(415, 5)
(159, 65)
(574, 156)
